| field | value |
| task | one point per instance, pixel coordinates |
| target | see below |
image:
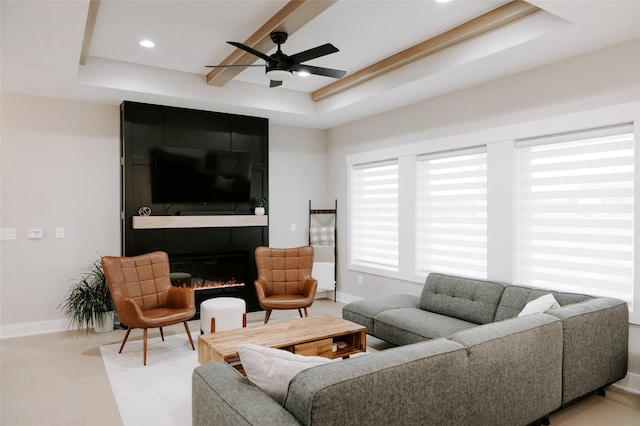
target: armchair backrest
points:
(144, 279)
(284, 270)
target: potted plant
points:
(259, 210)
(88, 302)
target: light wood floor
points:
(59, 379)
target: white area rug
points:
(159, 393)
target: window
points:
(451, 213)
(574, 212)
(374, 215)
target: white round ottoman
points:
(222, 313)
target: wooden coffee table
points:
(305, 336)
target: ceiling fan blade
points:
(275, 83)
(233, 65)
(327, 72)
(250, 50)
(316, 52)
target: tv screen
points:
(194, 175)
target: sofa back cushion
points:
(514, 298)
(463, 298)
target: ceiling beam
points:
(92, 15)
(490, 21)
(293, 16)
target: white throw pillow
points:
(272, 369)
(541, 304)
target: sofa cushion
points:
(463, 298)
(514, 298)
(515, 369)
(363, 311)
(271, 369)
(411, 325)
(539, 305)
(398, 386)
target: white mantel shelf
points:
(222, 221)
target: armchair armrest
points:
(309, 289)
(180, 297)
(128, 312)
(261, 288)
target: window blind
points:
(451, 214)
(374, 215)
(574, 212)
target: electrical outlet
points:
(360, 279)
(35, 233)
(59, 232)
(293, 226)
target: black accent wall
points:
(145, 127)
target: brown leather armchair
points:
(284, 279)
(144, 297)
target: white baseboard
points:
(630, 383)
(346, 298)
(32, 328)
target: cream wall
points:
(297, 164)
(599, 88)
(59, 168)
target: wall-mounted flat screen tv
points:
(195, 175)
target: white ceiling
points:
(41, 42)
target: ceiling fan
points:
(280, 67)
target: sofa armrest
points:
(364, 311)
(422, 384)
(596, 345)
(221, 396)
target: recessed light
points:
(147, 43)
(442, 1)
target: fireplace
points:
(212, 275)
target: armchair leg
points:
(267, 315)
(162, 334)
(300, 312)
(126, 336)
(306, 314)
(144, 345)
(186, 327)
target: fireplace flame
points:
(201, 284)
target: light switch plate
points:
(8, 234)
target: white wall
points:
(59, 168)
(594, 89)
(297, 166)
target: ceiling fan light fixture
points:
(304, 73)
(279, 75)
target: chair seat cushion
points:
(161, 317)
(286, 301)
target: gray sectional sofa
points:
(464, 357)
(595, 329)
